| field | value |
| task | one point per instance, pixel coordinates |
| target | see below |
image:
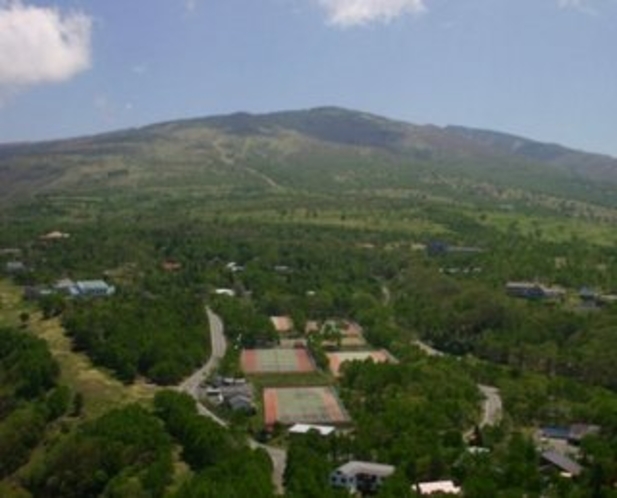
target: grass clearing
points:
(101, 391)
(11, 304)
(552, 228)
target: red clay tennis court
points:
(309, 405)
(338, 358)
(256, 361)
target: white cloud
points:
(570, 3)
(190, 5)
(580, 5)
(41, 45)
(346, 13)
(140, 69)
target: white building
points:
(322, 430)
(441, 487)
(361, 476)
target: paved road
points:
(278, 456)
(492, 407)
(191, 386)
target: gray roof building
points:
(562, 462)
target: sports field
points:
(255, 361)
(338, 358)
(310, 405)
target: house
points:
(282, 269)
(533, 290)
(92, 288)
(15, 267)
(241, 403)
(311, 327)
(439, 247)
(579, 431)
(441, 487)
(225, 292)
(55, 235)
(234, 267)
(282, 324)
(566, 466)
(587, 294)
(527, 290)
(322, 430)
(64, 286)
(356, 476)
(573, 434)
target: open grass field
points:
(100, 390)
(256, 361)
(340, 357)
(311, 405)
(555, 229)
(11, 304)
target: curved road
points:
(492, 407)
(190, 386)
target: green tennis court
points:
(311, 405)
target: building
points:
(533, 290)
(565, 465)
(579, 431)
(225, 292)
(441, 487)
(364, 477)
(282, 324)
(322, 430)
(572, 434)
(55, 235)
(15, 267)
(92, 288)
(241, 403)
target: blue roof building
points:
(92, 288)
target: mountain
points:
(583, 164)
(325, 149)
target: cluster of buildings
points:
(559, 447)
(70, 288)
(538, 291)
(236, 394)
(367, 477)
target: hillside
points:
(319, 150)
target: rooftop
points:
(323, 430)
(356, 467)
(562, 462)
(428, 488)
(282, 323)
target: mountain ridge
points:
(324, 147)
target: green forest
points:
(406, 269)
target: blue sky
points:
(545, 69)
